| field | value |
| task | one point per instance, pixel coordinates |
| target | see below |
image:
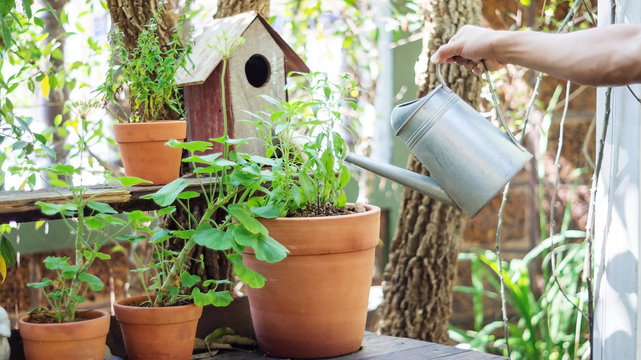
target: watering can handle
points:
(495, 101)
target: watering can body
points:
(469, 159)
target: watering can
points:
(470, 160)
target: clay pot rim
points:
(370, 209)
(142, 132)
(121, 303)
(23, 320)
(150, 122)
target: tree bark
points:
(419, 278)
(57, 97)
(131, 16)
(232, 7)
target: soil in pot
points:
(143, 150)
(157, 333)
(83, 339)
(314, 303)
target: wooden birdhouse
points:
(257, 67)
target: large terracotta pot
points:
(314, 303)
(82, 340)
(143, 150)
(159, 333)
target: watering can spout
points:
(421, 183)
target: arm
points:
(608, 55)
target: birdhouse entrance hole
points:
(257, 70)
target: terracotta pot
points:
(314, 303)
(157, 332)
(143, 150)
(77, 340)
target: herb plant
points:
(148, 73)
(309, 174)
(92, 224)
(227, 181)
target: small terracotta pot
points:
(143, 150)
(76, 340)
(314, 303)
(157, 332)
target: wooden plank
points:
(380, 347)
(204, 58)
(20, 206)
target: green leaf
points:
(308, 187)
(49, 151)
(137, 217)
(266, 212)
(131, 181)
(190, 145)
(101, 207)
(7, 251)
(161, 235)
(296, 196)
(266, 248)
(241, 213)
(243, 237)
(26, 5)
(217, 282)
(93, 281)
(270, 250)
(186, 195)
(173, 290)
(187, 280)
(6, 6)
(166, 211)
(216, 298)
(103, 256)
(213, 238)
(38, 285)
(168, 193)
(57, 263)
(61, 169)
(131, 238)
(245, 274)
(262, 160)
(6, 31)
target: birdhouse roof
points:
(204, 59)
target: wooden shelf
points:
(20, 206)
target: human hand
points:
(470, 47)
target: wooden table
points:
(379, 347)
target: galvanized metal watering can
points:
(470, 159)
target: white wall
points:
(618, 214)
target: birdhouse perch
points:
(257, 67)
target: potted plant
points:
(314, 303)
(226, 182)
(156, 110)
(61, 330)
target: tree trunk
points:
(419, 277)
(131, 16)
(232, 7)
(57, 97)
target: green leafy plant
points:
(303, 134)
(226, 182)
(148, 73)
(544, 326)
(92, 224)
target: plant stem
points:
(174, 273)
